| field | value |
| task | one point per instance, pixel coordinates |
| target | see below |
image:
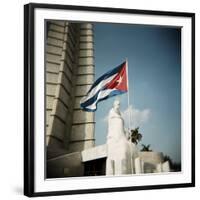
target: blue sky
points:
(154, 58)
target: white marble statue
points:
(121, 153)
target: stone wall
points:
(69, 74)
(150, 160)
(68, 165)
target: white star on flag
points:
(119, 80)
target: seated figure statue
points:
(121, 152)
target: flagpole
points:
(129, 116)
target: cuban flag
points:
(110, 84)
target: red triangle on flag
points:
(119, 82)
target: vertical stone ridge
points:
(54, 136)
(59, 127)
(73, 32)
(69, 75)
(82, 130)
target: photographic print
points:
(109, 99)
(113, 99)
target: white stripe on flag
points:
(101, 95)
(97, 88)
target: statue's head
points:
(116, 105)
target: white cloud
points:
(137, 117)
(105, 119)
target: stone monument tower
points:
(69, 75)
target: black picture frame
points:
(29, 98)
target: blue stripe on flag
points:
(94, 98)
(113, 93)
(106, 75)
